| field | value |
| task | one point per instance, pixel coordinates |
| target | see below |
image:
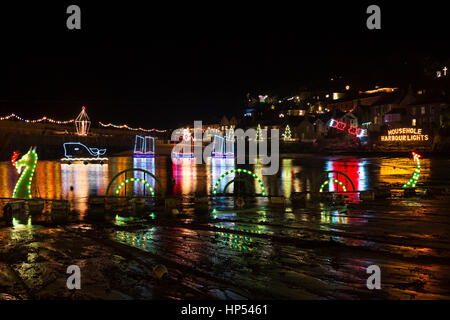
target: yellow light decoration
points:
(404, 135)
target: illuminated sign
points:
(405, 135)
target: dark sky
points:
(161, 65)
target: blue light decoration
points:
(223, 147)
(77, 151)
(144, 147)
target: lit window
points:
(413, 122)
(422, 110)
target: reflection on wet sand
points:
(313, 251)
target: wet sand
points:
(305, 252)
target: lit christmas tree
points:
(287, 134)
(258, 133)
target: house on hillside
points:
(305, 131)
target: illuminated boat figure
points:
(222, 147)
(144, 147)
(184, 149)
(76, 151)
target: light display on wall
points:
(76, 151)
(262, 99)
(263, 190)
(120, 186)
(144, 146)
(82, 123)
(124, 126)
(404, 135)
(413, 181)
(43, 119)
(342, 126)
(26, 167)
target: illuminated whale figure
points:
(26, 167)
(76, 151)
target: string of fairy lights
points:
(43, 119)
(124, 126)
(13, 116)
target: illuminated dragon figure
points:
(26, 167)
(412, 182)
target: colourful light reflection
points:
(355, 169)
(185, 175)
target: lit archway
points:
(132, 170)
(332, 180)
(135, 179)
(263, 190)
(326, 177)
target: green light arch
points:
(325, 176)
(332, 180)
(132, 170)
(263, 190)
(135, 179)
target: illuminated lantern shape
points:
(82, 123)
(26, 166)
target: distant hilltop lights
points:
(440, 73)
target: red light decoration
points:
(14, 157)
(342, 126)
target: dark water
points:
(312, 251)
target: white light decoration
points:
(82, 123)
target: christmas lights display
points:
(342, 126)
(25, 167)
(332, 180)
(263, 190)
(43, 119)
(82, 123)
(76, 151)
(416, 175)
(144, 147)
(222, 147)
(287, 134)
(258, 133)
(185, 146)
(120, 186)
(124, 126)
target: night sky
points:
(165, 65)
